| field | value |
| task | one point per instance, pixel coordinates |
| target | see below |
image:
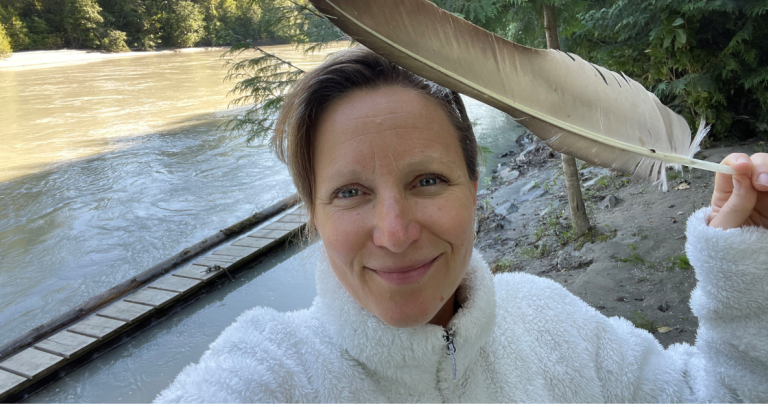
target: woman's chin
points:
(408, 317)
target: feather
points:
(578, 108)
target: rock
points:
(533, 194)
(609, 202)
(483, 192)
(566, 260)
(548, 243)
(506, 208)
(528, 187)
(509, 175)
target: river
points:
(111, 166)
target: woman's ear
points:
(474, 188)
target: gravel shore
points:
(632, 264)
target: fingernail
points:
(742, 160)
(763, 179)
(736, 186)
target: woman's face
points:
(394, 204)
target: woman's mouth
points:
(405, 275)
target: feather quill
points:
(578, 108)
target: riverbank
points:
(25, 60)
(632, 265)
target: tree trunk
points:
(579, 218)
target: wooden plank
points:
(97, 327)
(125, 311)
(66, 344)
(293, 218)
(279, 225)
(254, 242)
(238, 251)
(198, 273)
(10, 383)
(152, 297)
(224, 257)
(269, 233)
(209, 261)
(175, 284)
(32, 363)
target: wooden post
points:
(579, 218)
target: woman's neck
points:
(443, 317)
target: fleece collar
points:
(408, 355)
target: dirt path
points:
(632, 265)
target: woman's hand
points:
(741, 199)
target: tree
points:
(184, 25)
(15, 29)
(262, 81)
(579, 218)
(82, 21)
(702, 59)
(5, 43)
(114, 41)
(527, 21)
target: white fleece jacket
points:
(517, 338)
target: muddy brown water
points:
(111, 166)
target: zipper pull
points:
(451, 350)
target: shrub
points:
(184, 24)
(5, 43)
(114, 41)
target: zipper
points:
(450, 350)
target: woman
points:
(406, 311)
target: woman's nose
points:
(396, 227)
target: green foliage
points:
(15, 29)
(114, 42)
(681, 261)
(147, 24)
(184, 25)
(501, 266)
(262, 81)
(82, 21)
(703, 59)
(5, 43)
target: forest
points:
(122, 25)
(703, 58)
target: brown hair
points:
(343, 72)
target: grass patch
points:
(530, 252)
(681, 261)
(633, 257)
(642, 321)
(606, 236)
(501, 266)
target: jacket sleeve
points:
(251, 362)
(729, 362)
(731, 301)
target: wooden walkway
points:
(36, 362)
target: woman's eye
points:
(348, 193)
(428, 181)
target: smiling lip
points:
(405, 275)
